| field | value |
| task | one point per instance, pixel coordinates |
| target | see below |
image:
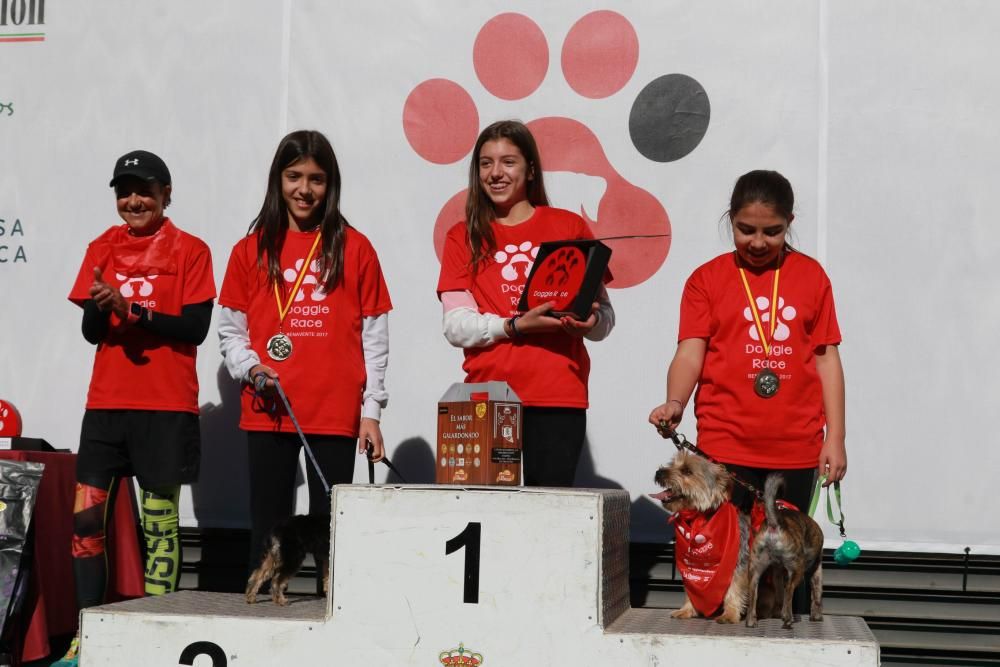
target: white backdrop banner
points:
(645, 113)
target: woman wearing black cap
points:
(146, 289)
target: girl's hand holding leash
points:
(370, 432)
(669, 414)
(833, 460)
(262, 377)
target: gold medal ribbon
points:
(756, 313)
(283, 310)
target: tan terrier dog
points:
(789, 542)
(712, 537)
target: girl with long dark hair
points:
(487, 258)
(304, 302)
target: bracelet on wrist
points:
(674, 400)
(513, 327)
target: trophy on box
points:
(568, 273)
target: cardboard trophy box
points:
(479, 435)
(569, 273)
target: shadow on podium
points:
(222, 566)
(414, 458)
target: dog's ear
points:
(727, 477)
(723, 488)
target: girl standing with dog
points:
(485, 263)
(304, 303)
(758, 338)
(146, 290)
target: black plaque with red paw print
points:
(567, 273)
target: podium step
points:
(515, 576)
(940, 609)
(221, 605)
(658, 621)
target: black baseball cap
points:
(142, 164)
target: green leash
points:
(817, 492)
(849, 550)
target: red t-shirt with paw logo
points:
(735, 425)
(324, 378)
(546, 370)
(135, 369)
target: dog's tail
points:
(773, 485)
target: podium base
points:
(431, 575)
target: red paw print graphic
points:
(558, 278)
(667, 121)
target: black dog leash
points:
(682, 443)
(385, 459)
(260, 382)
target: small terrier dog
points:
(288, 543)
(789, 542)
(713, 537)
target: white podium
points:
(460, 576)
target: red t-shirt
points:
(549, 370)
(324, 378)
(135, 369)
(735, 425)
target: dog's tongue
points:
(661, 496)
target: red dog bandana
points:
(707, 550)
(758, 516)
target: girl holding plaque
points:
(485, 263)
(758, 338)
(304, 302)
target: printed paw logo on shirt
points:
(310, 282)
(139, 286)
(517, 260)
(783, 314)
(666, 121)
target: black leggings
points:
(552, 439)
(274, 460)
(798, 490)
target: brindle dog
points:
(791, 543)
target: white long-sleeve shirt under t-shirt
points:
(464, 326)
(239, 357)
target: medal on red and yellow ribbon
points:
(279, 346)
(766, 383)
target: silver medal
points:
(766, 384)
(279, 347)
